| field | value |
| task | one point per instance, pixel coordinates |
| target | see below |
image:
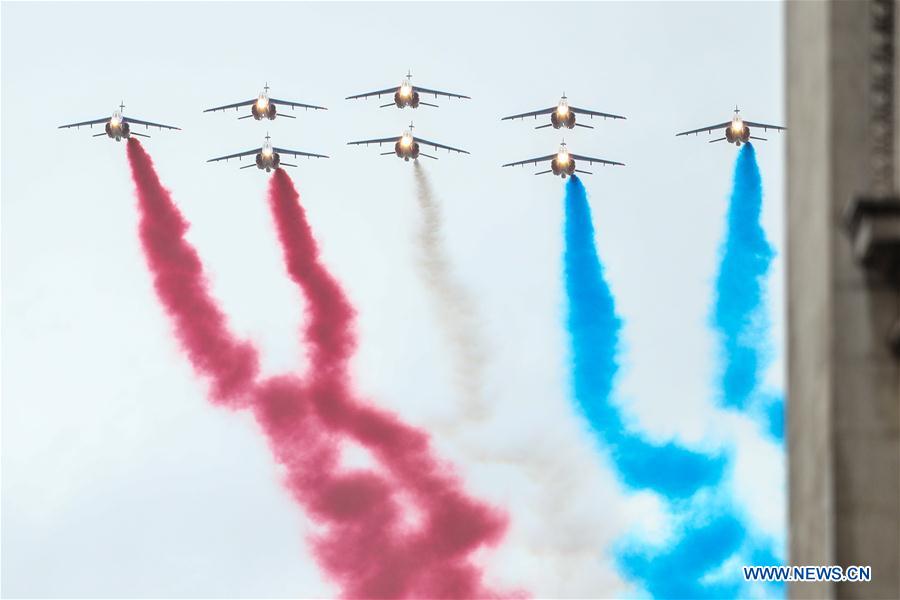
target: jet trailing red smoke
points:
(366, 544)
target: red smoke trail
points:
(181, 287)
(453, 525)
(365, 546)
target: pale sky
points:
(120, 479)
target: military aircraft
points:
(268, 157)
(118, 126)
(407, 94)
(264, 107)
(737, 130)
(406, 146)
(563, 115)
(563, 162)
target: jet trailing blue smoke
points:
(738, 315)
(593, 328)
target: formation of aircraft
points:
(737, 130)
(563, 115)
(265, 107)
(118, 126)
(407, 94)
(407, 146)
(268, 157)
(563, 162)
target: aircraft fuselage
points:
(407, 148)
(117, 128)
(562, 117)
(563, 164)
(406, 95)
(737, 133)
(263, 108)
(267, 160)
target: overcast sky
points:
(120, 479)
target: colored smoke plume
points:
(365, 542)
(454, 305)
(453, 525)
(181, 287)
(593, 328)
(738, 315)
(555, 466)
(709, 530)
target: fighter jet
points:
(563, 162)
(407, 94)
(264, 107)
(563, 115)
(737, 130)
(406, 146)
(118, 126)
(268, 157)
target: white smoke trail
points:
(454, 306)
(565, 502)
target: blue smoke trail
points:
(593, 327)
(774, 416)
(738, 315)
(704, 560)
(678, 572)
(710, 535)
